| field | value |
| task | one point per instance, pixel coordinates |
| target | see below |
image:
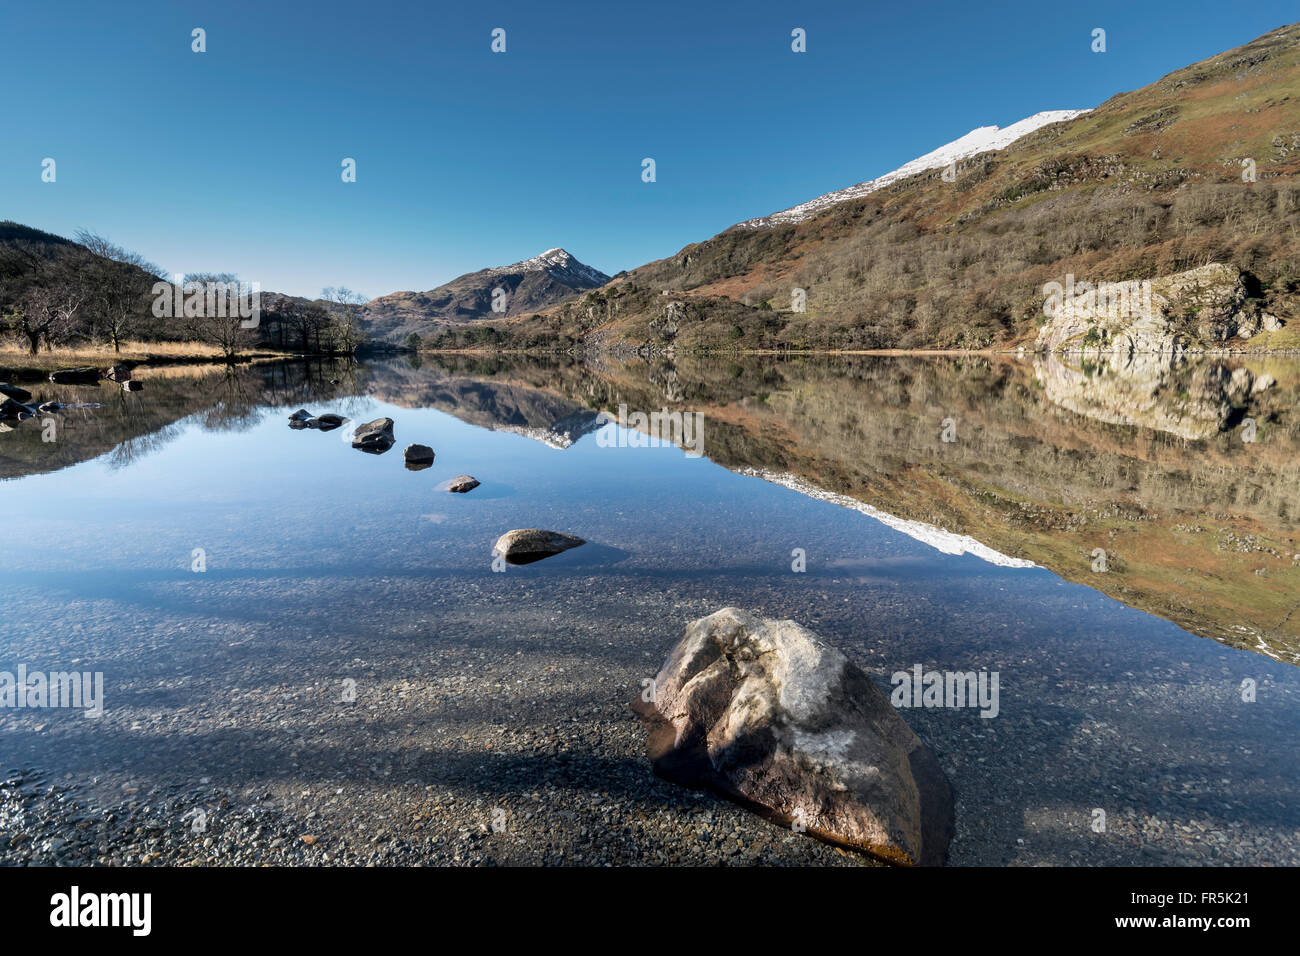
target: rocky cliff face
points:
(1198, 309)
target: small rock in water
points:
(49, 407)
(132, 385)
(117, 373)
(762, 711)
(525, 545)
(375, 437)
(418, 457)
(462, 483)
(301, 415)
(329, 422)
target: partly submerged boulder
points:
(75, 376)
(328, 422)
(375, 437)
(117, 373)
(767, 714)
(525, 545)
(462, 483)
(418, 456)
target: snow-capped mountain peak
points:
(558, 263)
(979, 140)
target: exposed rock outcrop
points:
(766, 713)
(1202, 307)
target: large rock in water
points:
(75, 376)
(376, 436)
(767, 714)
(14, 392)
(418, 456)
(526, 545)
(462, 484)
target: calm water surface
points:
(1120, 690)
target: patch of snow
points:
(980, 140)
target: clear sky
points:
(229, 160)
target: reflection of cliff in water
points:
(1194, 401)
(129, 425)
(1051, 462)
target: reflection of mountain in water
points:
(498, 405)
(1050, 464)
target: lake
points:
(309, 647)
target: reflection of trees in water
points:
(131, 425)
(130, 450)
(238, 405)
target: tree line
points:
(58, 294)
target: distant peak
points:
(560, 263)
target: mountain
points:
(529, 286)
(1197, 168)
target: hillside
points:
(1148, 184)
(528, 287)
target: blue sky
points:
(229, 160)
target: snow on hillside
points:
(976, 141)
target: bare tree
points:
(45, 313)
(307, 320)
(116, 285)
(345, 308)
(221, 324)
